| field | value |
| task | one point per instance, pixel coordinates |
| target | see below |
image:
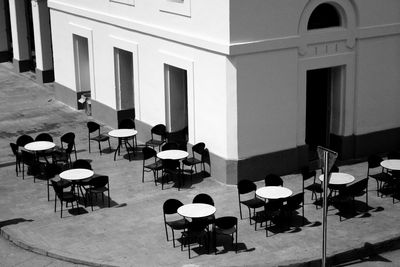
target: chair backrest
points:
(205, 157)
(127, 124)
(171, 206)
(159, 129)
(57, 189)
(306, 173)
(273, 180)
(226, 222)
(44, 137)
(148, 153)
(99, 182)
(374, 161)
(51, 170)
(203, 198)
(246, 186)
(81, 164)
(295, 201)
(28, 158)
(358, 188)
(14, 149)
(198, 148)
(93, 126)
(169, 146)
(68, 138)
(23, 140)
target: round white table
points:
(338, 178)
(273, 192)
(76, 174)
(174, 154)
(122, 134)
(391, 164)
(39, 146)
(196, 210)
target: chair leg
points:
(89, 144)
(100, 147)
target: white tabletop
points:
(76, 174)
(174, 154)
(273, 192)
(391, 164)
(339, 178)
(196, 210)
(39, 145)
(122, 133)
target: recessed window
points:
(324, 16)
(126, 2)
(179, 7)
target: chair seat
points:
(225, 231)
(254, 203)
(99, 190)
(154, 143)
(191, 161)
(154, 166)
(68, 197)
(179, 224)
(63, 183)
(100, 138)
(315, 188)
(382, 176)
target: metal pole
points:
(325, 209)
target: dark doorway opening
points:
(318, 109)
(30, 35)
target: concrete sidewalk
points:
(131, 232)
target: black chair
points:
(314, 187)
(63, 153)
(248, 188)
(50, 171)
(273, 180)
(352, 191)
(171, 169)
(169, 146)
(171, 217)
(196, 159)
(128, 124)
(150, 163)
(67, 197)
(95, 135)
(23, 140)
(205, 199)
(44, 154)
(158, 136)
(294, 203)
(69, 138)
(227, 225)
(381, 177)
(85, 183)
(196, 230)
(99, 185)
(393, 155)
(17, 154)
(33, 166)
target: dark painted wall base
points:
(66, 95)
(6, 56)
(109, 115)
(46, 76)
(22, 65)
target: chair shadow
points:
(348, 210)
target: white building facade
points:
(262, 82)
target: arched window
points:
(324, 16)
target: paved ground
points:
(131, 232)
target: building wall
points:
(246, 65)
(208, 71)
